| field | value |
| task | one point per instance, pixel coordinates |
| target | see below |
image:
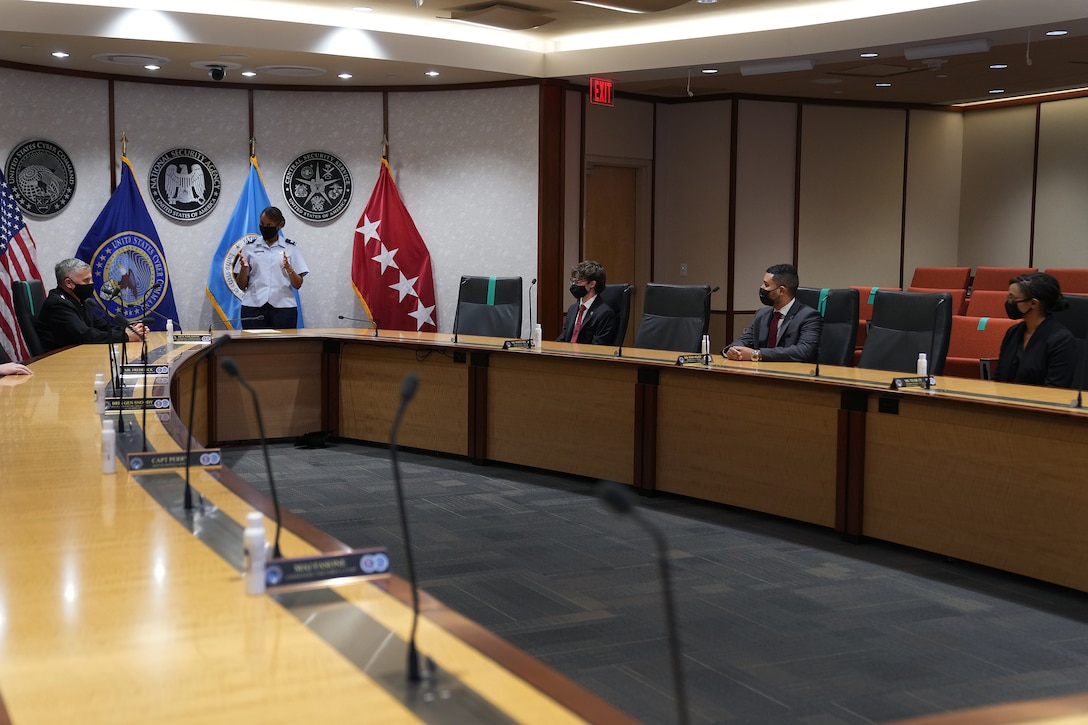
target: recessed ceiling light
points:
(997, 90)
(706, 2)
(249, 73)
(60, 54)
(344, 76)
(869, 55)
(883, 85)
(710, 71)
(999, 66)
(1056, 33)
(152, 66)
(432, 73)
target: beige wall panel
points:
(623, 131)
(74, 114)
(1061, 211)
(214, 121)
(995, 206)
(466, 165)
(766, 172)
(287, 377)
(851, 196)
(934, 153)
(692, 195)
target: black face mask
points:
(1012, 309)
(765, 296)
(578, 291)
(269, 233)
(83, 292)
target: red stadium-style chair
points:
(997, 278)
(959, 297)
(941, 278)
(1073, 280)
(974, 339)
(987, 303)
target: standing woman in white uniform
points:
(270, 270)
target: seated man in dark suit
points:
(589, 319)
(64, 320)
(783, 331)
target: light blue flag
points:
(244, 226)
(126, 257)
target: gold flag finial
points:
(124, 144)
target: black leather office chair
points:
(617, 295)
(489, 306)
(674, 317)
(28, 298)
(1075, 317)
(905, 324)
(839, 309)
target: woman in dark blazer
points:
(1040, 350)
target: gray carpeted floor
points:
(779, 622)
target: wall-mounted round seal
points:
(41, 176)
(317, 186)
(184, 184)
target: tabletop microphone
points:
(125, 325)
(163, 317)
(620, 499)
(531, 320)
(90, 306)
(231, 367)
(457, 312)
(215, 344)
(233, 320)
(407, 391)
(371, 323)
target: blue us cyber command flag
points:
(244, 226)
(125, 254)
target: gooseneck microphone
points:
(371, 323)
(531, 320)
(457, 311)
(407, 391)
(115, 372)
(214, 322)
(216, 343)
(621, 500)
(231, 367)
(147, 320)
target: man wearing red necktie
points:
(784, 330)
(589, 319)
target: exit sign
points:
(600, 91)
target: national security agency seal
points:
(41, 176)
(317, 186)
(184, 184)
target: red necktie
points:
(772, 335)
(578, 323)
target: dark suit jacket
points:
(1049, 359)
(63, 321)
(598, 324)
(798, 335)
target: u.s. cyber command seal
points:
(317, 186)
(184, 184)
(133, 264)
(41, 176)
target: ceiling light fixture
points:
(1057, 33)
(605, 6)
(780, 66)
(999, 66)
(249, 73)
(152, 66)
(344, 76)
(870, 55)
(963, 47)
(997, 90)
(706, 2)
(709, 71)
(883, 85)
(59, 54)
(432, 73)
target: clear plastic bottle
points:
(169, 332)
(109, 447)
(100, 393)
(538, 337)
(255, 545)
(923, 365)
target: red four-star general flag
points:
(390, 264)
(18, 262)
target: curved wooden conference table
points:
(112, 611)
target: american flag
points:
(18, 262)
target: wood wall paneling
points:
(934, 158)
(1061, 211)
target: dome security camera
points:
(217, 72)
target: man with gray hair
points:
(65, 318)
